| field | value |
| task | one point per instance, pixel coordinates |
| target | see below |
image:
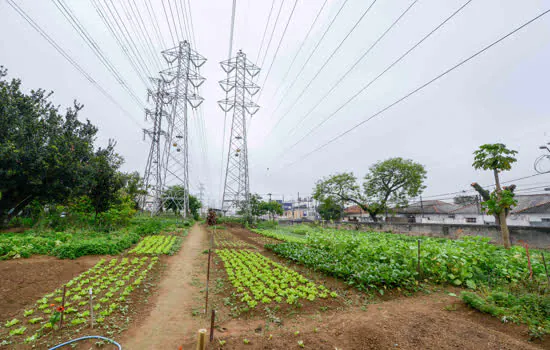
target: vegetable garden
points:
(112, 283)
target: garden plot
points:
(158, 244)
(112, 283)
(224, 239)
(258, 279)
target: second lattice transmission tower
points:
(239, 88)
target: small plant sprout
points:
(11, 323)
(27, 313)
(246, 341)
(221, 342)
(315, 330)
(297, 333)
(301, 343)
(270, 337)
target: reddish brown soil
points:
(169, 322)
(23, 281)
(359, 321)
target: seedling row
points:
(258, 279)
(157, 244)
(111, 283)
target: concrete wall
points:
(536, 237)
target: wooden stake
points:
(545, 268)
(62, 307)
(212, 325)
(207, 281)
(418, 261)
(201, 339)
(529, 261)
(91, 309)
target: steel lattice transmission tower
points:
(239, 87)
(182, 80)
(153, 177)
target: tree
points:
(486, 195)
(465, 200)
(343, 189)
(497, 157)
(329, 209)
(256, 208)
(393, 181)
(174, 198)
(44, 155)
(272, 208)
(133, 186)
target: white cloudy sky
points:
(500, 96)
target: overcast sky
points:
(500, 96)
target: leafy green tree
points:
(133, 186)
(497, 157)
(343, 189)
(44, 154)
(174, 198)
(256, 208)
(329, 209)
(393, 182)
(272, 208)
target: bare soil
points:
(171, 322)
(431, 319)
(23, 281)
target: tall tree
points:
(43, 153)
(393, 182)
(133, 186)
(272, 208)
(497, 157)
(329, 209)
(173, 199)
(343, 189)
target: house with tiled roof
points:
(531, 210)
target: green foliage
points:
(531, 307)
(329, 209)
(67, 245)
(272, 208)
(174, 200)
(496, 204)
(49, 157)
(158, 245)
(393, 181)
(494, 157)
(258, 279)
(370, 260)
(265, 225)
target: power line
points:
(168, 22)
(81, 31)
(154, 22)
(324, 65)
(301, 70)
(272, 33)
(173, 20)
(388, 68)
(301, 46)
(360, 59)
(265, 30)
(278, 47)
(422, 86)
(60, 50)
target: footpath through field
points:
(170, 323)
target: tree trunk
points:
(505, 233)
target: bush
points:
(267, 225)
(96, 246)
(300, 229)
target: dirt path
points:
(170, 323)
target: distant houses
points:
(531, 210)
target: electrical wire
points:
(421, 87)
(75, 64)
(301, 70)
(265, 30)
(301, 46)
(272, 33)
(278, 47)
(329, 58)
(359, 60)
(387, 69)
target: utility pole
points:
(422, 207)
(154, 174)
(240, 71)
(269, 194)
(182, 81)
